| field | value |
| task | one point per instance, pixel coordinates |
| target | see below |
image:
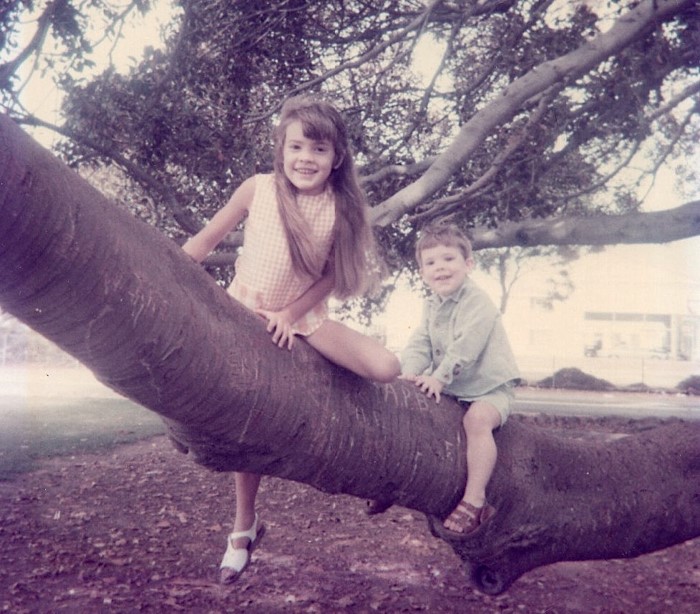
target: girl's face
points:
(444, 268)
(307, 163)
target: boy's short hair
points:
(438, 233)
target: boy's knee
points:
(481, 417)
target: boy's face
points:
(444, 268)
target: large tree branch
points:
(515, 142)
(80, 271)
(485, 71)
(627, 29)
(652, 227)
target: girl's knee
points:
(355, 351)
(387, 369)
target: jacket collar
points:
(456, 296)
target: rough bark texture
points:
(149, 322)
(560, 499)
(129, 304)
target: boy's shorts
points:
(501, 398)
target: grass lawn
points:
(34, 427)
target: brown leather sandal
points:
(469, 517)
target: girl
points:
(306, 237)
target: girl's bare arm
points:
(225, 220)
(279, 323)
(314, 295)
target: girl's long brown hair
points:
(352, 254)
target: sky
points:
(42, 98)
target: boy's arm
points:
(473, 326)
(224, 221)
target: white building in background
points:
(629, 301)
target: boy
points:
(460, 349)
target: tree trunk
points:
(559, 499)
(130, 305)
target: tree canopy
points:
(538, 120)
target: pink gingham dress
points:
(265, 278)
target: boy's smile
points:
(444, 268)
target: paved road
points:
(49, 411)
(630, 405)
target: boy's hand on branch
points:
(279, 324)
(430, 385)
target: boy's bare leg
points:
(479, 423)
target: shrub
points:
(575, 379)
(690, 385)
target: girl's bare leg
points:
(355, 351)
(246, 491)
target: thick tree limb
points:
(515, 142)
(582, 501)
(628, 28)
(81, 272)
(653, 227)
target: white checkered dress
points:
(265, 278)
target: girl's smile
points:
(307, 162)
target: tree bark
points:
(130, 305)
(559, 499)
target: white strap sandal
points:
(235, 559)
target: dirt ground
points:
(141, 528)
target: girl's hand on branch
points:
(279, 324)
